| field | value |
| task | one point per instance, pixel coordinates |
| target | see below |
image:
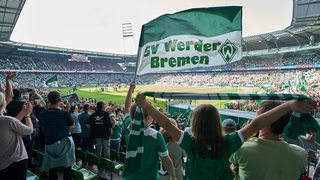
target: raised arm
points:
(9, 92)
(129, 98)
(159, 117)
(274, 114)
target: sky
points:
(96, 25)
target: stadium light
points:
(128, 36)
(127, 30)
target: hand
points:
(234, 168)
(246, 123)
(27, 108)
(303, 106)
(119, 117)
(33, 90)
(140, 100)
(132, 86)
(11, 75)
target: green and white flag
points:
(201, 37)
(53, 81)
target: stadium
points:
(283, 61)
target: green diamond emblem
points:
(227, 51)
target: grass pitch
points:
(118, 97)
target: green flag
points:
(268, 89)
(53, 81)
(187, 114)
(303, 88)
(200, 37)
(300, 82)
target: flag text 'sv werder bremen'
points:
(202, 37)
(53, 81)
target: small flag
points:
(53, 81)
(200, 37)
(188, 114)
(268, 89)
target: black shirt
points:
(100, 124)
(55, 123)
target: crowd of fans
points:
(276, 81)
(56, 63)
(99, 127)
(49, 62)
(79, 124)
(273, 61)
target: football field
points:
(117, 96)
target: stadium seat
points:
(111, 166)
(93, 160)
(81, 156)
(37, 156)
(75, 166)
(83, 174)
(31, 175)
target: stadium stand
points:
(276, 59)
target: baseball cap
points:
(229, 123)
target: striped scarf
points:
(300, 123)
(223, 96)
(135, 145)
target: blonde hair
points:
(167, 137)
(2, 103)
(113, 119)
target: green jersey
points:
(154, 147)
(116, 131)
(208, 168)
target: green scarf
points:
(135, 145)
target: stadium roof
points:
(9, 14)
(303, 31)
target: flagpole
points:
(135, 73)
(138, 55)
